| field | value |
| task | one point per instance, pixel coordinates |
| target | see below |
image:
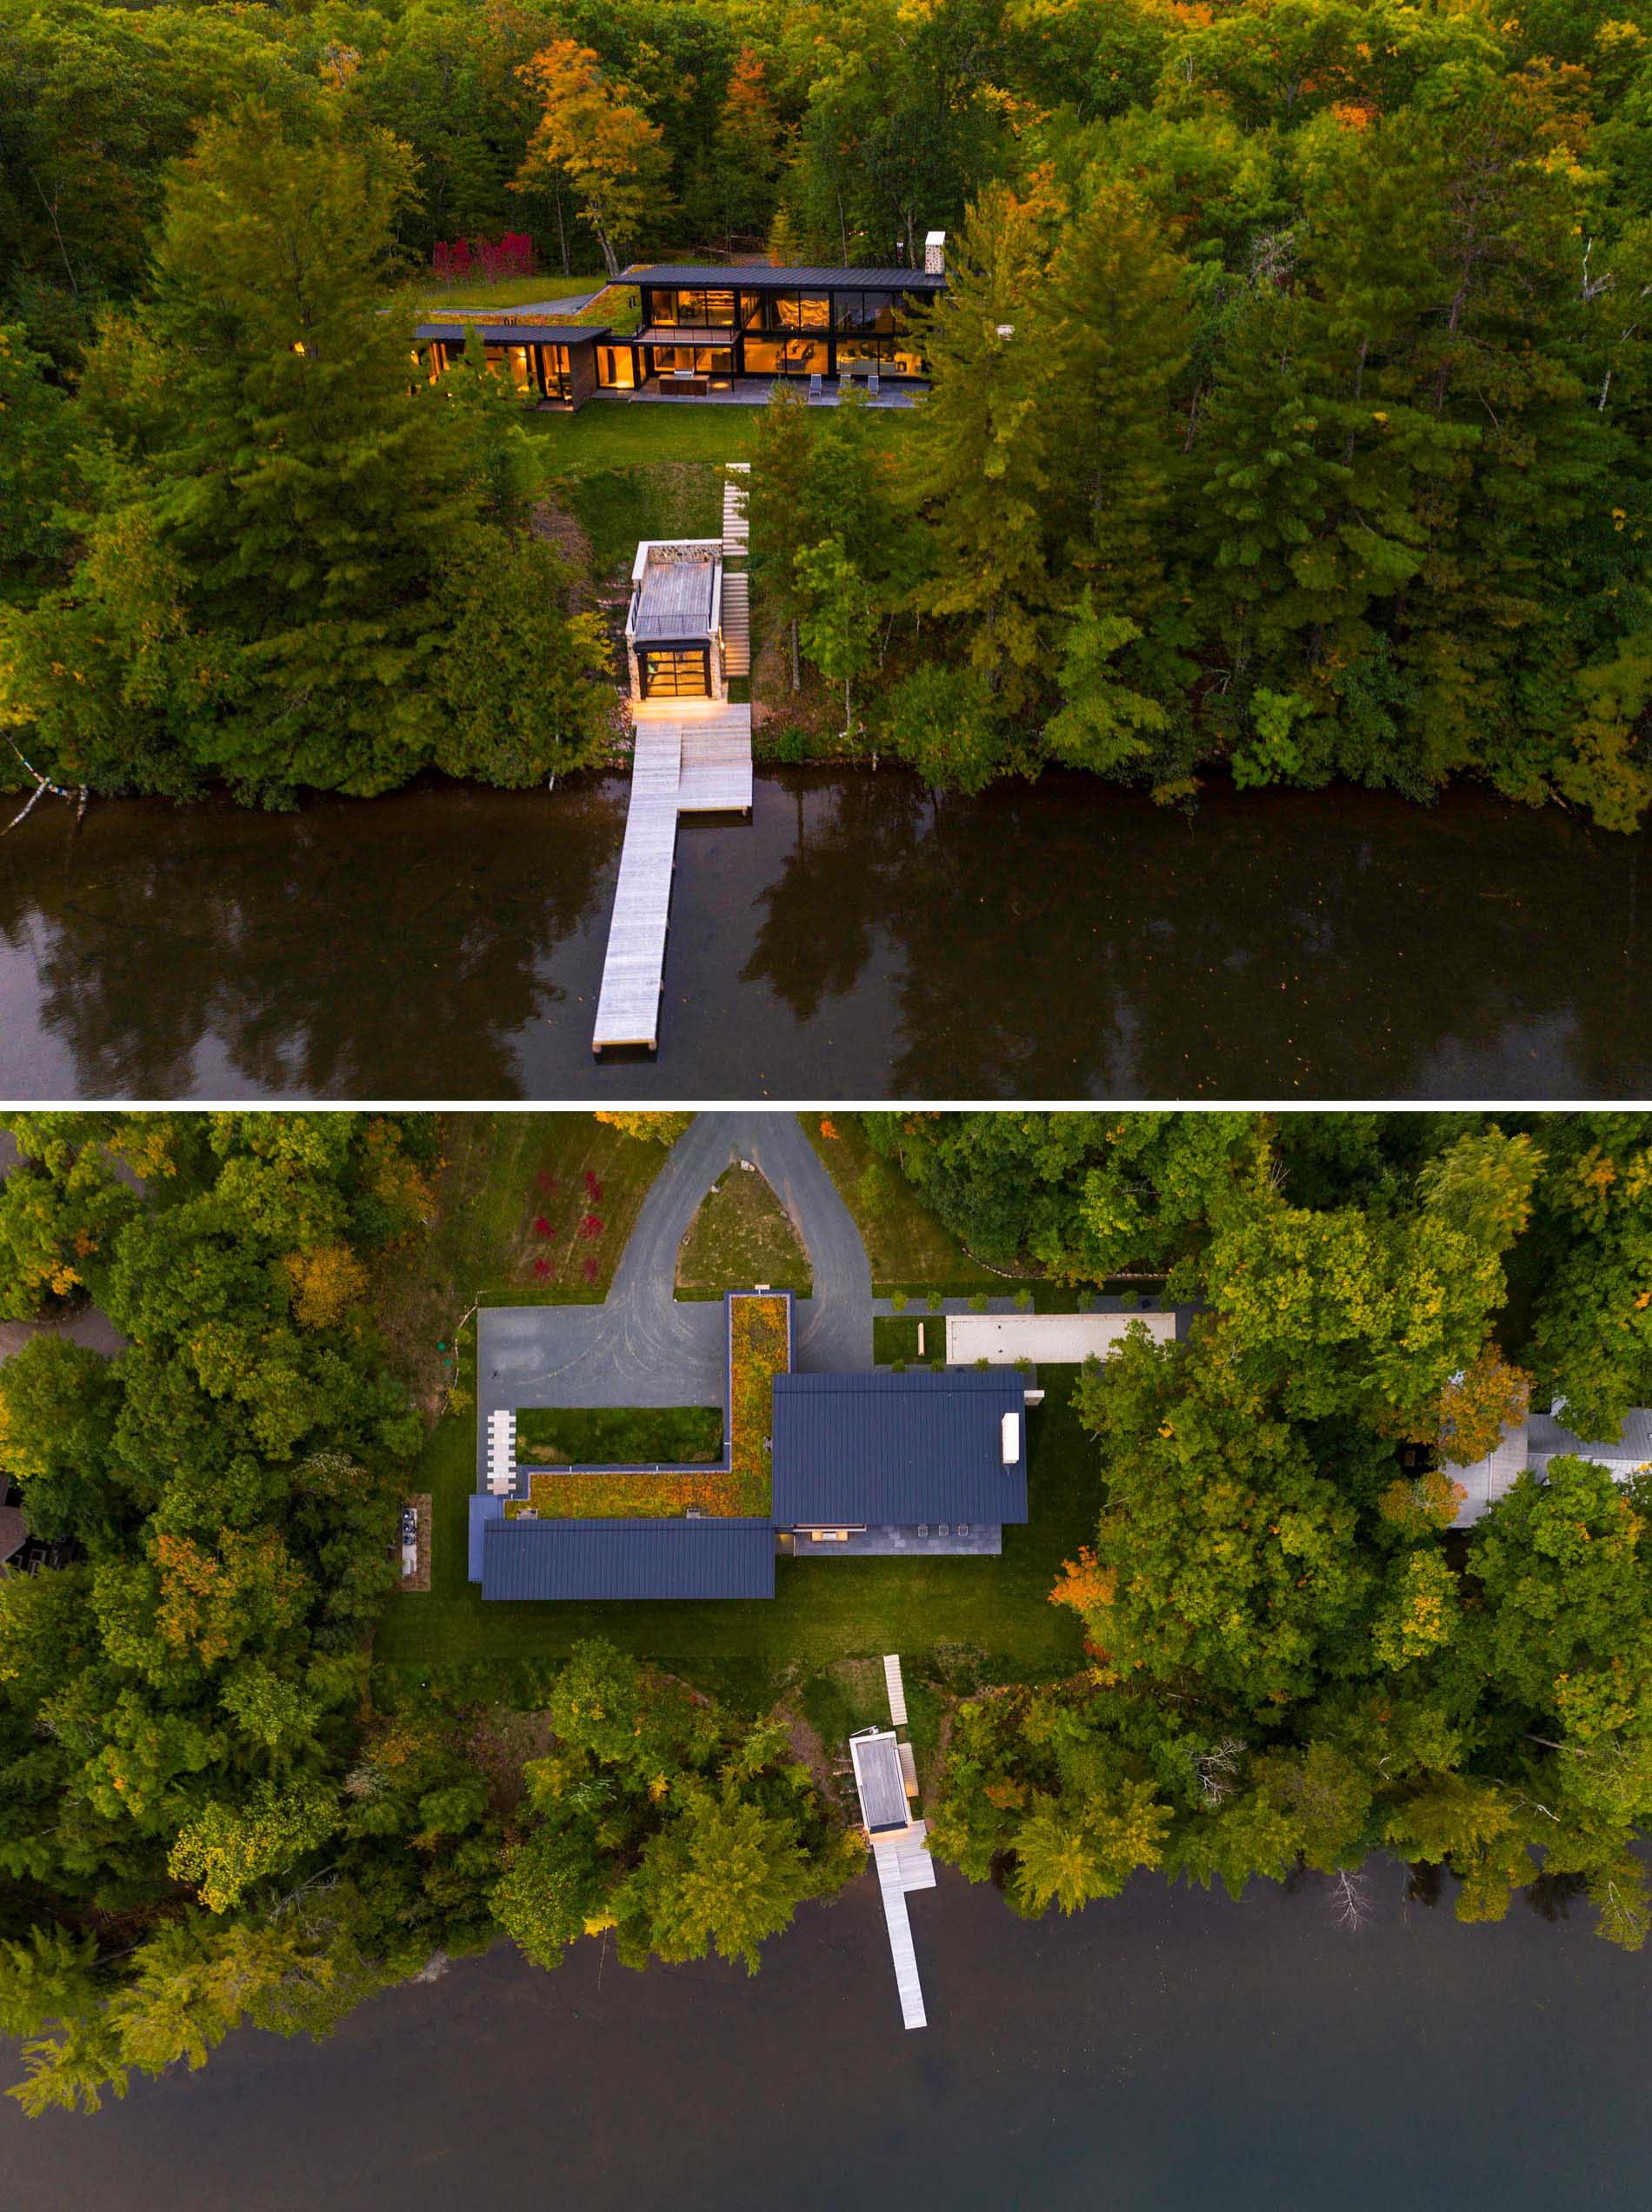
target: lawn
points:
(741, 1237)
(503, 1176)
(895, 1337)
(620, 1436)
(468, 295)
(909, 1248)
(954, 1621)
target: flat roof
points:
(765, 277)
(897, 1448)
(674, 599)
(627, 1559)
(879, 1778)
(510, 333)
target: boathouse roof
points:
(880, 1780)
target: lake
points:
(1168, 2052)
(856, 939)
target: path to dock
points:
(690, 756)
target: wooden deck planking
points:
(896, 1688)
(717, 765)
(893, 1889)
(628, 1007)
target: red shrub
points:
(542, 1270)
(542, 1227)
(590, 1269)
(590, 1227)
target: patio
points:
(752, 391)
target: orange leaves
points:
(1085, 1584)
(326, 1281)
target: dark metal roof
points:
(510, 333)
(899, 1448)
(14, 1530)
(627, 1559)
(764, 276)
(484, 1507)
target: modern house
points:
(880, 1463)
(702, 332)
(674, 642)
(1528, 1446)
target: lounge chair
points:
(871, 384)
(816, 386)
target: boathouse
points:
(674, 645)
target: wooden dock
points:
(628, 1009)
(695, 763)
(903, 1864)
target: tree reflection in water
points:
(859, 938)
(399, 946)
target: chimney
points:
(935, 253)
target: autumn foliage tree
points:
(594, 130)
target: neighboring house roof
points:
(1532, 1443)
(14, 1530)
(901, 1448)
(1549, 1440)
(1484, 1480)
(627, 1559)
(764, 276)
(510, 333)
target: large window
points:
(786, 357)
(709, 309)
(674, 676)
(871, 312)
(616, 368)
(781, 311)
(888, 357)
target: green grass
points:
(905, 1244)
(741, 1237)
(620, 1436)
(953, 1620)
(896, 1338)
(504, 1172)
(469, 293)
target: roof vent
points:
(1012, 1439)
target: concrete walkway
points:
(643, 1347)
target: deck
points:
(905, 1865)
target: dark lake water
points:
(856, 939)
(1166, 2053)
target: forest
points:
(218, 1808)
(1288, 423)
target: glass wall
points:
(781, 311)
(888, 356)
(616, 368)
(786, 357)
(710, 309)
